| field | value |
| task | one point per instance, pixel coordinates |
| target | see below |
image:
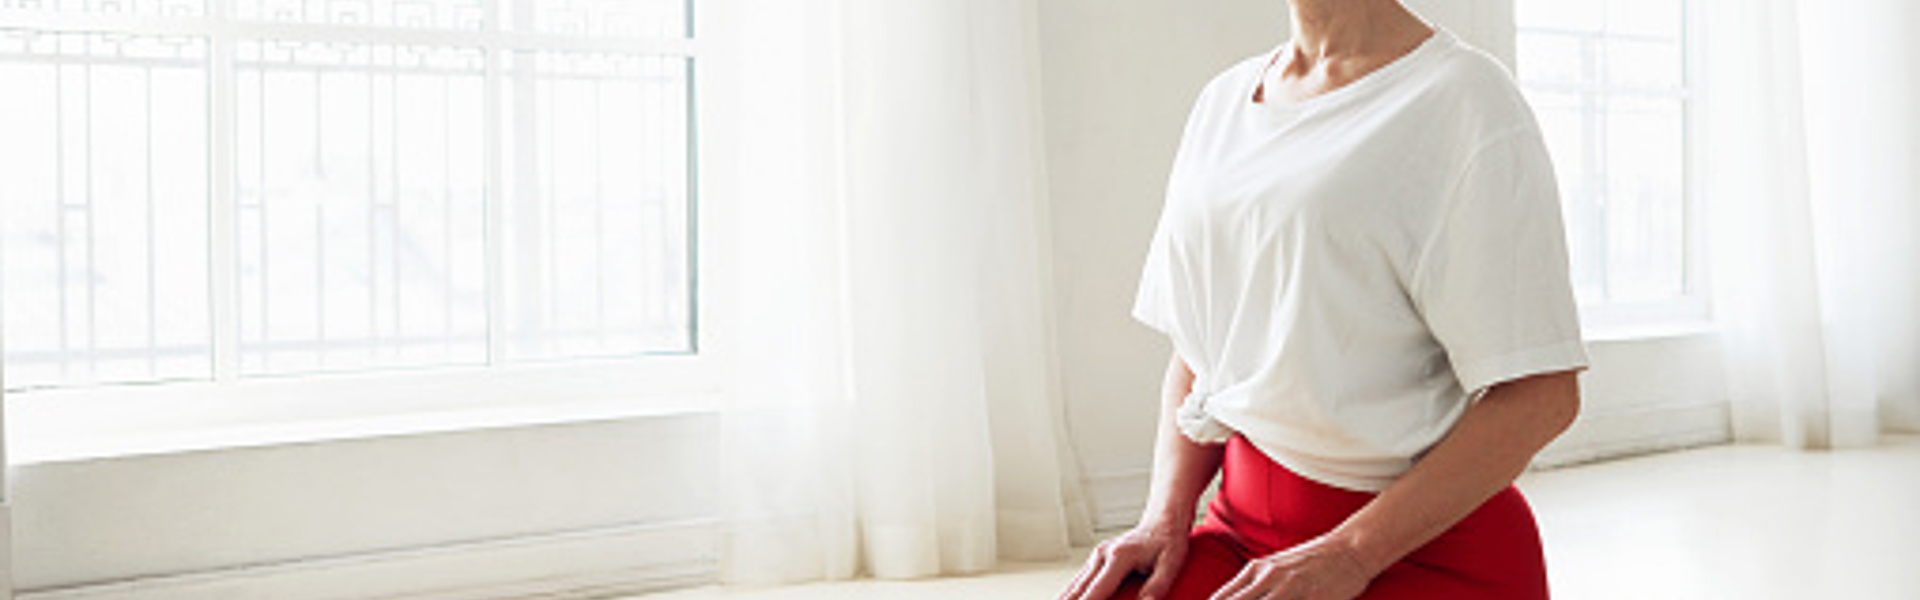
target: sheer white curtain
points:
(876, 189)
(1810, 163)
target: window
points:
(220, 189)
(1609, 81)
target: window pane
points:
(1550, 58)
(1606, 78)
(365, 172)
(1569, 15)
(105, 208)
(1645, 213)
(598, 218)
(435, 14)
(361, 206)
(640, 19)
(116, 7)
(1644, 65)
(1656, 18)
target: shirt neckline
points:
(1370, 79)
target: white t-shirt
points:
(1345, 274)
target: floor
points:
(1728, 522)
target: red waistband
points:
(1266, 507)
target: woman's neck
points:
(1345, 28)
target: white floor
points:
(1729, 522)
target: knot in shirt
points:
(1198, 424)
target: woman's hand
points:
(1317, 570)
(1157, 548)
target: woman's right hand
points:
(1155, 548)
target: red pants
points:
(1492, 554)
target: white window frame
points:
(126, 419)
(1690, 313)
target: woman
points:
(1362, 270)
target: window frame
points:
(130, 418)
(1691, 312)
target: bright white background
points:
(629, 501)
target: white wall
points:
(1119, 79)
(1902, 368)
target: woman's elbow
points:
(1557, 396)
(1566, 410)
(1551, 401)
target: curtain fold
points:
(879, 191)
(1809, 162)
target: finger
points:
(1165, 570)
(1077, 590)
(1271, 590)
(1267, 585)
(1255, 587)
(1079, 586)
(1113, 572)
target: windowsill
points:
(1647, 331)
(128, 421)
(1639, 321)
(46, 449)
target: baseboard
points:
(1119, 494)
(1617, 433)
(581, 565)
(6, 544)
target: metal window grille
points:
(214, 189)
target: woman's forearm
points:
(1181, 468)
(1486, 450)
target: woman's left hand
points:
(1317, 570)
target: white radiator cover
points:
(536, 511)
(586, 564)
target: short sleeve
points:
(1492, 282)
(1153, 301)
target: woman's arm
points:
(1181, 470)
(1486, 450)
(1489, 447)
